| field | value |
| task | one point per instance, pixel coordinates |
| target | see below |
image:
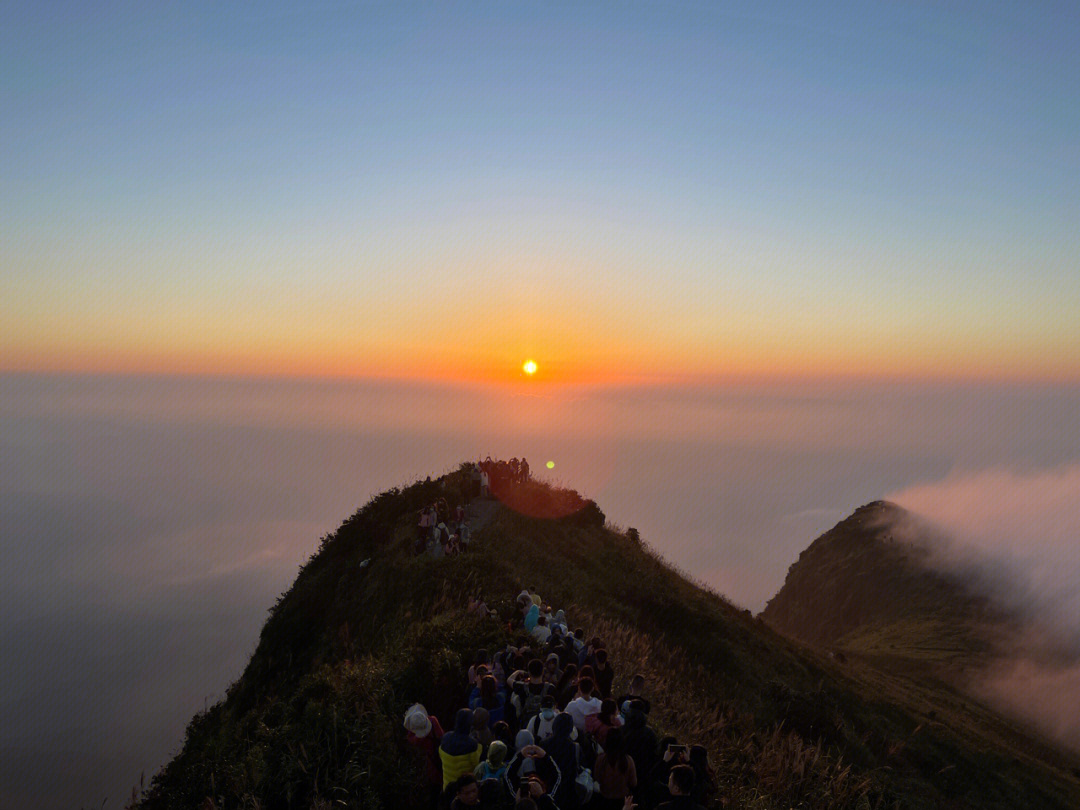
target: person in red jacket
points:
(425, 733)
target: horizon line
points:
(624, 382)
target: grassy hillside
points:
(315, 719)
(859, 590)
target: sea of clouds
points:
(1015, 534)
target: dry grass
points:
(754, 770)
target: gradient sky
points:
(624, 191)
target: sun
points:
(529, 367)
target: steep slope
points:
(859, 589)
(367, 629)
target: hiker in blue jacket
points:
(532, 616)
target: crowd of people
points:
(495, 475)
(544, 730)
(440, 531)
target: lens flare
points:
(551, 465)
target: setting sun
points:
(529, 367)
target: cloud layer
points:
(1014, 534)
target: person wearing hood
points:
(425, 734)
(531, 761)
(522, 739)
(458, 751)
(532, 616)
(559, 620)
(566, 754)
(495, 765)
(552, 671)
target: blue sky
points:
(851, 173)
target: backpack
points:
(534, 728)
(584, 785)
(531, 706)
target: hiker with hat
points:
(425, 734)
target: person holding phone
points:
(673, 756)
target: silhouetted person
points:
(681, 785)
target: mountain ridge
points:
(368, 628)
(869, 586)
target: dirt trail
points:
(481, 511)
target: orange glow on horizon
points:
(581, 358)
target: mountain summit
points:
(868, 586)
(370, 627)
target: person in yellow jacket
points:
(458, 751)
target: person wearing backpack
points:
(542, 725)
(495, 765)
(529, 691)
